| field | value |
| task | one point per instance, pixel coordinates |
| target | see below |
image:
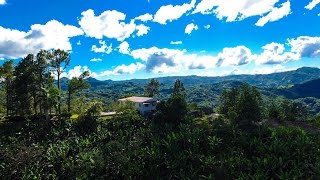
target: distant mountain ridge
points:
(298, 76)
(274, 80)
(300, 83)
(307, 89)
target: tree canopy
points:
(76, 84)
(242, 104)
(152, 89)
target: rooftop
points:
(137, 99)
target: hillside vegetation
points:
(301, 85)
(216, 130)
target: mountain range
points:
(300, 83)
(298, 76)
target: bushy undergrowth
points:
(129, 147)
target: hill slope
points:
(303, 82)
(307, 89)
(298, 76)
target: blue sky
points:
(128, 39)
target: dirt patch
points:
(306, 126)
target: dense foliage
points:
(242, 104)
(152, 89)
(30, 88)
(174, 110)
(205, 91)
(129, 147)
(254, 136)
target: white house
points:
(144, 105)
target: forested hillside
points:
(205, 91)
(228, 129)
(298, 76)
(307, 89)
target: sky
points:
(128, 39)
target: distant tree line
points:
(30, 86)
(168, 145)
(245, 106)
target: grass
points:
(75, 116)
(105, 118)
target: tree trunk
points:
(42, 111)
(46, 113)
(69, 100)
(7, 100)
(9, 97)
(35, 105)
(59, 98)
(40, 107)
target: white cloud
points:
(175, 60)
(170, 12)
(128, 69)
(119, 70)
(234, 10)
(3, 2)
(205, 7)
(144, 18)
(305, 46)
(202, 62)
(176, 42)
(79, 43)
(108, 24)
(274, 53)
(52, 35)
(275, 14)
(145, 53)
(95, 59)
(103, 48)
(161, 60)
(124, 48)
(268, 69)
(190, 27)
(142, 30)
(235, 56)
(166, 61)
(259, 70)
(231, 59)
(312, 4)
(76, 72)
(207, 26)
(162, 63)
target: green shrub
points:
(87, 122)
(15, 118)
(130, 147)
(242, 105)
(65, 115)
(316, 121)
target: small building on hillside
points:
(144, 105)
